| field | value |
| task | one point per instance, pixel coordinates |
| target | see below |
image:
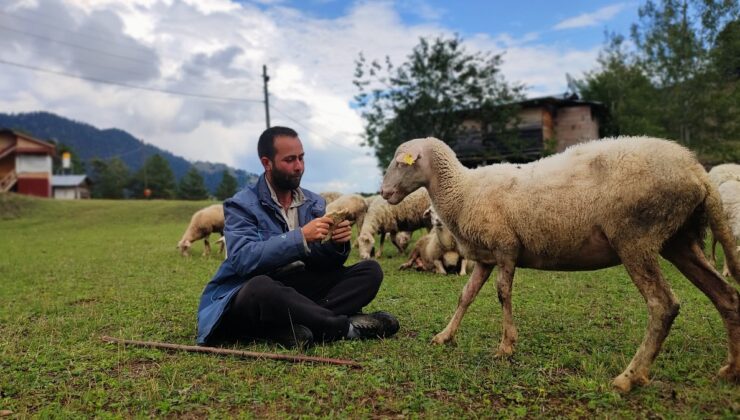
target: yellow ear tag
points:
(408, 159)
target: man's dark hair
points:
(266, 143)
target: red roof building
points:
(25, 164)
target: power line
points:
(82, 47)
(312, 132)
(52, 25)
(130, 86)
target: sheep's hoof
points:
(505, 350)
(623, 383)
(730, 373)
(442, 338)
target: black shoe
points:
(390, 323)
(364, 326)
(292, 336)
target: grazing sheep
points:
(724, 172)
(204, 222)
(596, 205)
(383, 218)
(355, 205)
(437, 250)
(330, 196)
(730, 193)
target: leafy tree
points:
(674, 39)
(155, 175)
(429, 94)
(191, 186)
(77, 166)
(625, 90)
(109, 178)
(228, 186)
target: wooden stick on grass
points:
(230, 352)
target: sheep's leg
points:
(439, 268)
(662, 310)
(470, 291)
(464, 267)
(206, 247)
(504, 283)
(379, 250)
(691, 262)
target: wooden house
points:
(25, 164)
(70, 187)
(546, 125)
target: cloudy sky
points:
(186, 75)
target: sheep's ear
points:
(408, 157)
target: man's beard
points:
(286, 181)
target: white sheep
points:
(724, 172)
(596, 205)
(437, 250)
(382, 218)
(355, 205)
(203, 222)
(330, 196)
(730, 193)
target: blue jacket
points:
(258, 242)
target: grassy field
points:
(73, 271)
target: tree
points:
(228, 186)
(109, 178)
(625, 90)
(674, 40)
(427, 95)
(191, 186)
(77, 166)
(155, 175)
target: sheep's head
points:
(404, 174)
(402, 239)
(366, 243)
(184, 246)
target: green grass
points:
(73, 271)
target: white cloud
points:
(218, 48)
(591, 19)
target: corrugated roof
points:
(67, 180)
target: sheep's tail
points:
(721, 229)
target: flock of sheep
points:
(598, 204)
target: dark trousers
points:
(320, 300)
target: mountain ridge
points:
(89, 142)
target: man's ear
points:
(266, 163)
(409, 155)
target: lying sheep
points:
(730, 193)
(382, 218)
(204, 222)
(330, 196)
(355, 205)
(437, 250)
(596, 205)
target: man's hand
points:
(317, 229)
(342, 232)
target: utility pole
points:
(265, 79)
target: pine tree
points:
(191, 186)
(227, 187)
(109, 178)
(156, 176)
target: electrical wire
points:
(130, 86)
(312, 132)
(60, 28)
